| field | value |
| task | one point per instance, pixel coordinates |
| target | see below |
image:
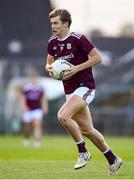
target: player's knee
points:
(62, 117)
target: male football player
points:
(34, 105)
(79, 87)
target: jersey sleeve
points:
(50, 48)
(85, 45)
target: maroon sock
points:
(110, 156)
(81, 147)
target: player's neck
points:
(33, 81)
(64, 35)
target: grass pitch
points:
(57, 156)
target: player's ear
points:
(66, 23)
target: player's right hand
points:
(48, 68)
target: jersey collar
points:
(64, 37)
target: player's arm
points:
(48, 66)
(44, 104)
(23, 104)
(93, 59)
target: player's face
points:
(33, 76)
(58, 27)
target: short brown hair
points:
(64, 15)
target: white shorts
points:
(29, 116)
(85, 93)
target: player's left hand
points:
(69, 73)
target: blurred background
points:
(24, 33)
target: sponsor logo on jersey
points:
(68, 57)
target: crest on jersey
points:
(68, 45)
(54, 48)
(61, 46)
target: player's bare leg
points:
(84, 120)
(26, 133)
(71, 107)
(66, 112)
(37, 132)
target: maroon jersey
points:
(75, 49)
(33, 95)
